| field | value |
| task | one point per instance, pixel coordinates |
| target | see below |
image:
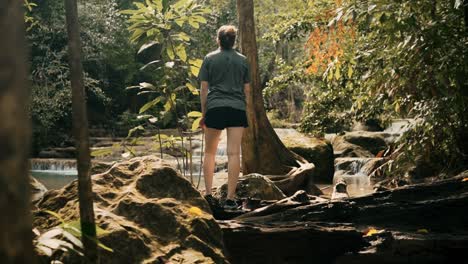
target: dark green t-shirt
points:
(226, 72)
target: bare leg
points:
(211, 145)
(234, 138)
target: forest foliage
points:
(324, 64)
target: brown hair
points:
(227, 36)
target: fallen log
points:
(439, 206)
(288, 242)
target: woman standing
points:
(225, 79)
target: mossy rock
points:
(253, 186)
(372, 142)
(149, 212)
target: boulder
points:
(98, 167)
(368, 125)
(37, 189)
(361, 144)
(253, 186)
(149, 212)
(314, 150)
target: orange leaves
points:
(195, 211)
(372, 231)
(327, 44)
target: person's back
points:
(226, 71)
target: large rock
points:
(253, 186)
(150, 213)
(314, 150)
(37, 189)
(98, 167)
(359, 144)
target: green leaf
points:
(133, 87)
(181, 36)
(192, 88)
(337, 73)
(158, 5)
(148, 105)
(136, 35)
(181, 3)
(196, 124)
(101, 245)
(194, 114)
(147, 85)
(133, 130)
(205, 10)
(180, 21)
(55, 215)
(180, 51)
(196, 62)
(74, 229)
(146, 46)
(167, 106)
(148, 64)
(146, 92)
(195, 70)
(47, 251)
(199, 19)
(195, 65)
(193, 23)
(170, 52)
(397, 106)
(77, 242)
(128, 12)
(350, 72)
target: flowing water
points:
(56, 173)
(352, 171)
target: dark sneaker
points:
(230, 204)
(213, 202)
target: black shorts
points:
(222, 117)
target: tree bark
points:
(262, 150)
(465, 12)
(81, 133)
(15, 223)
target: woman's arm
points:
(203, 96)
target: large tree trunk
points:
(262, 150)
(15, 222)
(80, 129)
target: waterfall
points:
(353, 171)
(53, 164)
